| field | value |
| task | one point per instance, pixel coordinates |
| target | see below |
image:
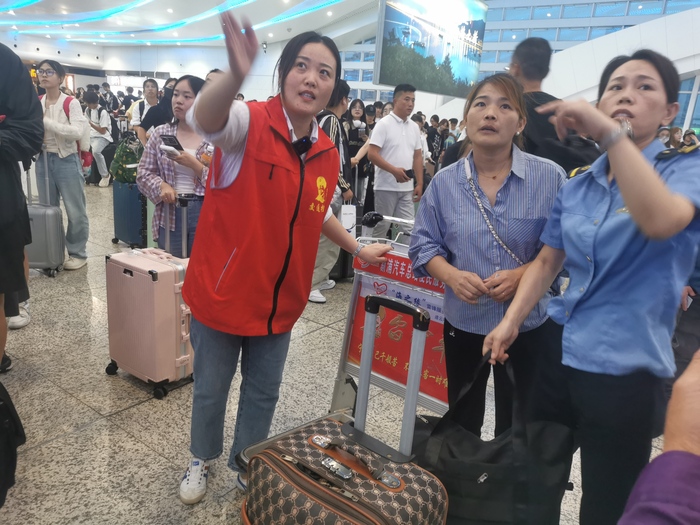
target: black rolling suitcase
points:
(108, 153)
(331, 472)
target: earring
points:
(517, 133)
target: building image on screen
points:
(433, 44)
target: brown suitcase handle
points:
(375, 466)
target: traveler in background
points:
(668, 489)
(628, 229)
(64, 165)
(423, 138)
(453, 242)
(396, 152)
(388, 108)
(129, 98)
(272, 177)
(162, 113)
(676, 138)
(355, 124)
(212, 73)
(378, 109)
(460, 149)
(433, 137)
(663, 134)
(111, 102)
(162, 176)
(240, 97)
(140, 109)
(689, 138)
(21, 135)
(370, 114)
(100, 134)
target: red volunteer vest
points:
(254, 253)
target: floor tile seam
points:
(24, 449)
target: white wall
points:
(66, 52)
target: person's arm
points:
(220, 94)
(376, 158)
(22, 126)
(101, 128)
(360, 154)
(142, 135)
(371, 253)
(148, 173)
(534, 283)
(73, 130)
(659, 213)
(418, 172)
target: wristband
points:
(357, 250)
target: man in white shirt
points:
(150, 88)
(396, 152)
(100, 133)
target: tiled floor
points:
(101, 450)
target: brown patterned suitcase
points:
(332, 473)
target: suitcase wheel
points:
(159, 392)
(111, 369)
(115, 241)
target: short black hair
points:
(417, 118)
(378, 105)
(215, 70)
(150, 80)
(453, 121)
(533, 55)
(435, 118)
(90, 97)
(58, 68)
(105, 85)
(341, 91)
(129, 90)
(664, 67)
(403, 88)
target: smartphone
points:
(688, 300)
(170, 150)
(171, 140)
(361, 133)
(410, 174)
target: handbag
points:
(11, 436)
(518, 477)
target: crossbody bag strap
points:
(480, 204)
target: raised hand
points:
(241, 47)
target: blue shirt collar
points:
(600, 167)
(517, 168)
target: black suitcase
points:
(95, 177)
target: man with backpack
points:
(109, 100)
(100, 134)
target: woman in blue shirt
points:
(625, 229)
(496, 188)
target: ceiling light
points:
(170, 10)
(549, 14)
(174, 33)
(69, 36)
(148, 43)
(639, 7)
(102, 36)
(11, 12)
(94, 43)
(286, 1)
(14, 27)
(270, 35)
(132, 34)
(330, 13)
(119, 22)
(513, 37)
(48, 36)
(179, 44)
(77, 25)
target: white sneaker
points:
(194, 483)
(19, 321)
(104, 182)
(316, 297)
(242, 482)
(327, 285)
(73, 263)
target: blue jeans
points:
(215, 361)
(66, 181)
(193, 209)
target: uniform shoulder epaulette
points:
(673, 152)
(577, 171)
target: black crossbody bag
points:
(11, 436)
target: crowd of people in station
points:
(505, 214)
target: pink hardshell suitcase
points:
(149, 322)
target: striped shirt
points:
(155, 167)
(450, 224)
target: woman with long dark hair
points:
(355, 123)
(268, 201)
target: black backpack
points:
(11, 437)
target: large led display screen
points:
(434, 45)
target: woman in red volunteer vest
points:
(268, 200)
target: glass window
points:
(683, 100)
(518, 13)
(573, 33)
(505, 56)
(602, 31)
(368, 56)
(368, 95)
(547, 34)
(352, 74)
(491, 36)
(483, 75)
(687, 84)
(353, 94)
(611, 9)
(488, 57)
(494, 15)
(367, 75)
(646, 7)
(352, 56)
(676, 6)
(372, 40)
(386, 96)
(695, 120)
(545, 12)
(577, 11)
(514, 35)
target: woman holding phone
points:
(355, 123)
(627, 231)
(174, 163)
(268, 201)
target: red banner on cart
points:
(398, 268)
(393, 331)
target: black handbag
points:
(517, 478)
(11, 436)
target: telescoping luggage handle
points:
(182, 202)
(421, 322)
(30, 199)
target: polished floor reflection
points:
(101, 450)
